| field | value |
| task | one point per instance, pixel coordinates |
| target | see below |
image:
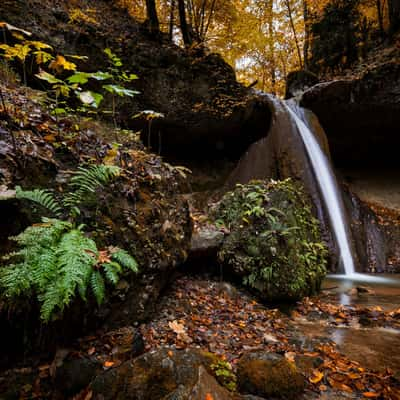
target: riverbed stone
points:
(163, 374)
(269, 375)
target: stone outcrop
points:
(360, 116)
(206, 112)
(162, 375)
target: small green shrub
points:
(274, 242)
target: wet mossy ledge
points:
(274, 242)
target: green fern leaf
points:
(86, 181)
(42, 197)
(111, 271)
(98, 286)
(125, 259)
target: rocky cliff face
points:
(207, 114)
(360, 116)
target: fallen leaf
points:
(317, 376)
(108, 364)
(371, 395)
(177, 327)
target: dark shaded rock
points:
(164, 374)
(269, 375)
(206, 242)
(376, 239)
(360, 116)
(75, 374)
(299, 81)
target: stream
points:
(374, 347)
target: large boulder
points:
(269, 375)
(162, 375)
(274, 242)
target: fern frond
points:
(15, 280)
(76, 256)
(42, 197)
(98, 286)
(111, 271)
(86, 181)
(125, 259)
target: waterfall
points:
(328, 187)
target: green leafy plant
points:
(274, 242)
(55, 260)
(225, 376)
(119, 79)
(82, 189)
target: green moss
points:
(274, 241)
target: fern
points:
(98, 286)
(112, 271)
(42, 197)
(86, 181)
(125, 259)
(56, 262)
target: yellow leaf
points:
(17, 35)
(317, 376)
(39, 45)
(42, 57)
(60, 64)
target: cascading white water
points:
(329, 190)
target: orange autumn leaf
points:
(108, 364)
(371, 395)
(317, 377)
(209, 396)
(50, 138)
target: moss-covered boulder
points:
(274, 241)
(269, 374)
(165, 374)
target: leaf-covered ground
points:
(217, 317)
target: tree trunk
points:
(306, 34)
(171, 21)
(379, 9)
(152, 18)
(271, 44)
(394, 15)
(187, 38)
(289, 9)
